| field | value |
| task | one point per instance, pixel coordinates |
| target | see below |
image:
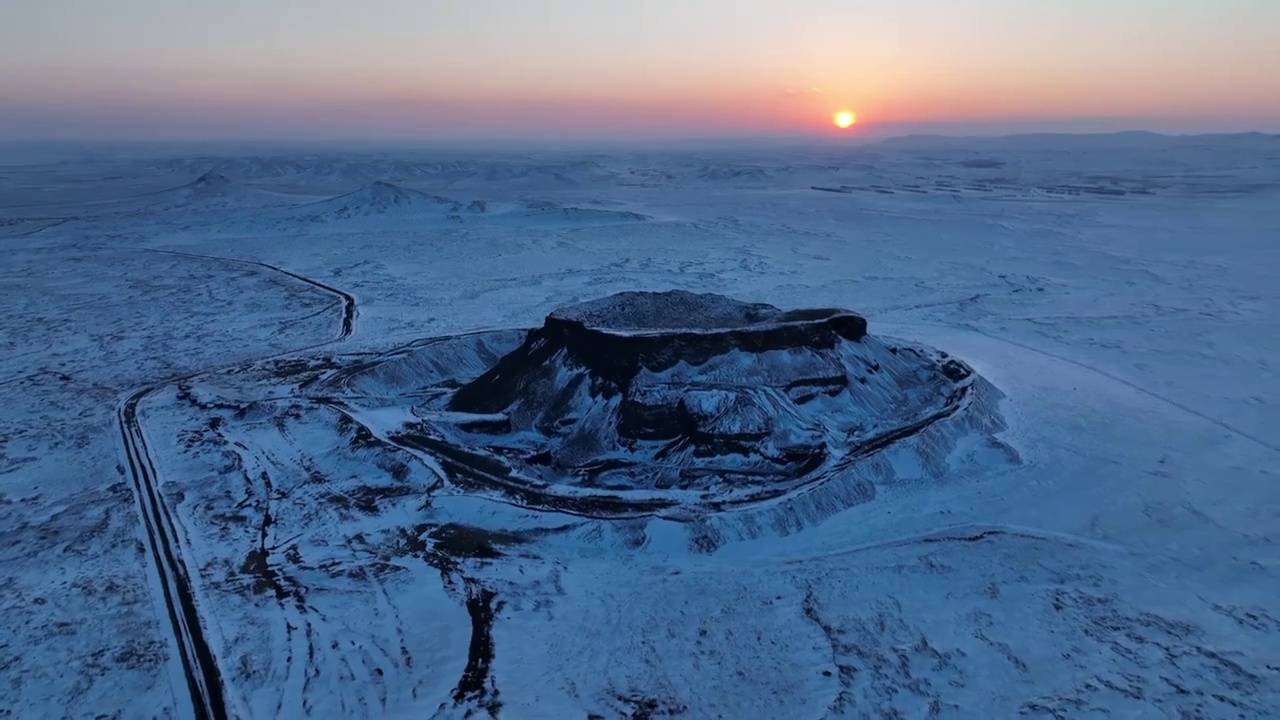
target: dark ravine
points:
(475, 685)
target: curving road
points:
(163, 542)
(349, 310)
(204, 681)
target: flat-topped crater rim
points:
(679, 312)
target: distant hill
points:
(377, 200)
(211, 191)
(385, 204)
(1126, 140)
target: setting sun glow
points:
(844, 119)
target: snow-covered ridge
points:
(386, 204)
(376, 199)
(210, 191)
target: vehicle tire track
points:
(204, 681)
(39, 230)
(1133, 386)
(163, 541)
(969, 533)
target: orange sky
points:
(664, 67)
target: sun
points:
(844, 119)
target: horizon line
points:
(855, 138)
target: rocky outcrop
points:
(211, 181)
(671, 400)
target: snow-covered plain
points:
(169, 323)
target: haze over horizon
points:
(573, 69)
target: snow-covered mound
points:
(462, 171)
(676, 403)
(211, 183)
(212, 191)
(534, 175)
(535, 212)
(383, 205)
(255, 167)
(379, 200)
(733, 174)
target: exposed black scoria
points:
(640, 403)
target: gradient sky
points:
(312, 69)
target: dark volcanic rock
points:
(616, 337)
(211, 180)
(730, 420)
(683, 398)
